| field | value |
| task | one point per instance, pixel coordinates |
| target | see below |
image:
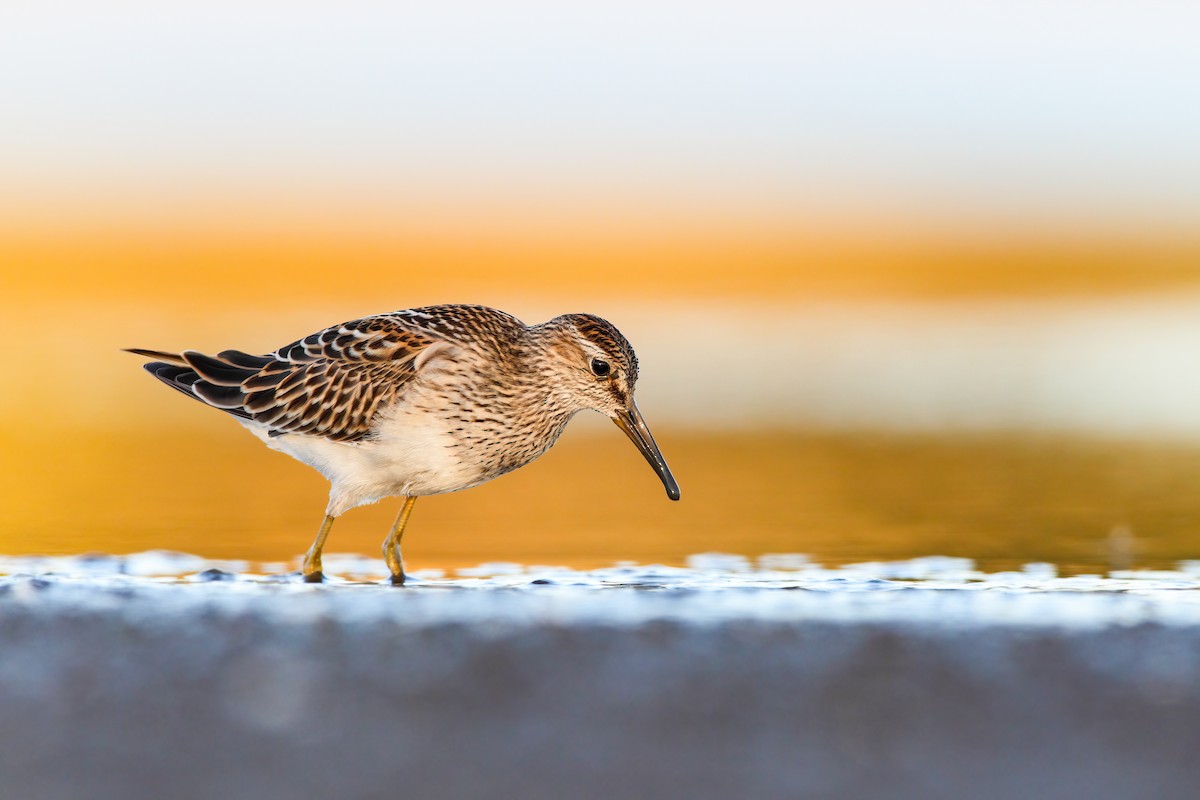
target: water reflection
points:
(1085, 506)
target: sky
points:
(1079, 111)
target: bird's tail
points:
(158, 355)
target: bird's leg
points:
(391, 545)
(312, 559)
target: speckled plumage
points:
(420, 401)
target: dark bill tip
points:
(672, 488)
(634, 426)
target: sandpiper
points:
(421, 401)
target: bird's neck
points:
(552, 353)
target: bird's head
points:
(597, 369)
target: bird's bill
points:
(631, 422)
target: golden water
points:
(1004, 500)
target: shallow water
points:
(718, 585)
(1085, 506)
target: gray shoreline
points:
(123, 687)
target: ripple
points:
(705, 573)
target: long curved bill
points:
(635, 428)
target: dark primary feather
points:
(182, 379)
(158, 355)
(244, 360)
(216, 371)
(331, 383)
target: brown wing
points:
(330, 384)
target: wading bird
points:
(421, 401)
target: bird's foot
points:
(399, 579)
(314, 577)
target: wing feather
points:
(332, 383)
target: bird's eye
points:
(601, 367)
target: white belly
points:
(408, 457)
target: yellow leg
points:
(391, 545)
(312, 559)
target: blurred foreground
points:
(774, 683)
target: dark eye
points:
(600, 367)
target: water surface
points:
(1084, 505)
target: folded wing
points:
(330, 384)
